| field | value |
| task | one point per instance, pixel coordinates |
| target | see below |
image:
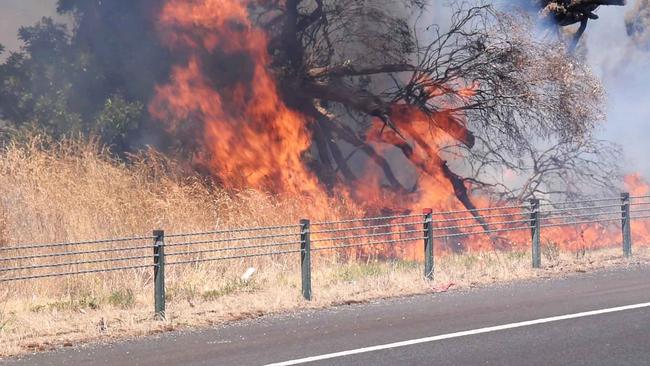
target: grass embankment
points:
(74, 190)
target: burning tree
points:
(367, 91)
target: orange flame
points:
(251, 139)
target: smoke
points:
(621, 59)
(637, 24)
(617, 47)
(618, 44)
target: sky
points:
(624, 70)
(16, 13)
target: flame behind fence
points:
(596, 222)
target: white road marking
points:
(459, 334)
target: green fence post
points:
(535, 233)
(428, 244)
(159, 273)
(305, 258)
(626, 224)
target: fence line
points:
(307, 237)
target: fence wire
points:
(201, 260)
(639, 203)
(365, 219)
(212, 250)
(580, 222)
(228, 231)
(569, 209)
(61, 274)
(361, 236)
(324, 235)
(486, 224)
(369, 227)
(581, 215)
(470, 233)
(64, 264)
(476, 210)
(87, 242)
(226, 240)
(480, 217)
(593, 200)
(74, 253)
(383, 242)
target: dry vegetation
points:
(73, 190)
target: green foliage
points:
(187, 292)
(404, 264)
(123, 298)
(92, 78)
(118, 119)
(356, 271)
(75, 303)
(229, 288)
(34, 87)
(516, 255)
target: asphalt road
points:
(599, 318)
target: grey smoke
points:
(619, 53)
(637, 23)
(624, 67)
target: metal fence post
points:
(305, 258)
(626, 224)
(428, 244)
(159, 273)
(535, 233)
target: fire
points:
(635, 184)
(639, 187)
(251, 139)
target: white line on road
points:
(459, 334)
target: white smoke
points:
(624, 68)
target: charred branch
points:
(484, 73)
(578, 35)
(349, 136)
(568, 12)
(348, 69)
(366, 102)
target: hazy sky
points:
(624, 70)
(15, 13)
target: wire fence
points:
(384, 234)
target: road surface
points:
(601, 318)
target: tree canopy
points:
(367, 75)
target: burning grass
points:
(74, 189)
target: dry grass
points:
(102, 314)
(74, 190)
